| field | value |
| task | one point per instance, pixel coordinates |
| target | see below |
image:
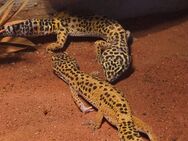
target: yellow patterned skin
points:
(109, 102)
(112, 51)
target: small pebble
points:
(35, 4)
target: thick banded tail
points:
(7, 29)
(29, 27)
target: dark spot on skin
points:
(136, 134)
(124, 105)
(35, 22)
(123, 112)
(130, 137)
(85, 88)
(100, 82)
(74, 20)
(85, 94)
(130, 129)
(129, 122)
(107, 94)
(89, 90)
(119, 29)
(101, 97)
(94, 87)
(105, 89)
(90, 84)
(122, 136)
(118, 105)
(86, 83)
(123, 99)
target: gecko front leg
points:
(100, 45)
(79, 103)
(96, 124)
(62, 35)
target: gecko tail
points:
(2, 28)
(11, 28)
(2, 31)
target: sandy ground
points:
(35, 105)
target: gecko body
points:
(109, 101)
(112, 50)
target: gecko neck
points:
(67, 74)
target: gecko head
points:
(64, 61)
(115, 62)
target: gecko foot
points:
(85, 109)
(93, 125)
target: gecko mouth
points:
(115, 78)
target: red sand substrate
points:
(35, 105)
